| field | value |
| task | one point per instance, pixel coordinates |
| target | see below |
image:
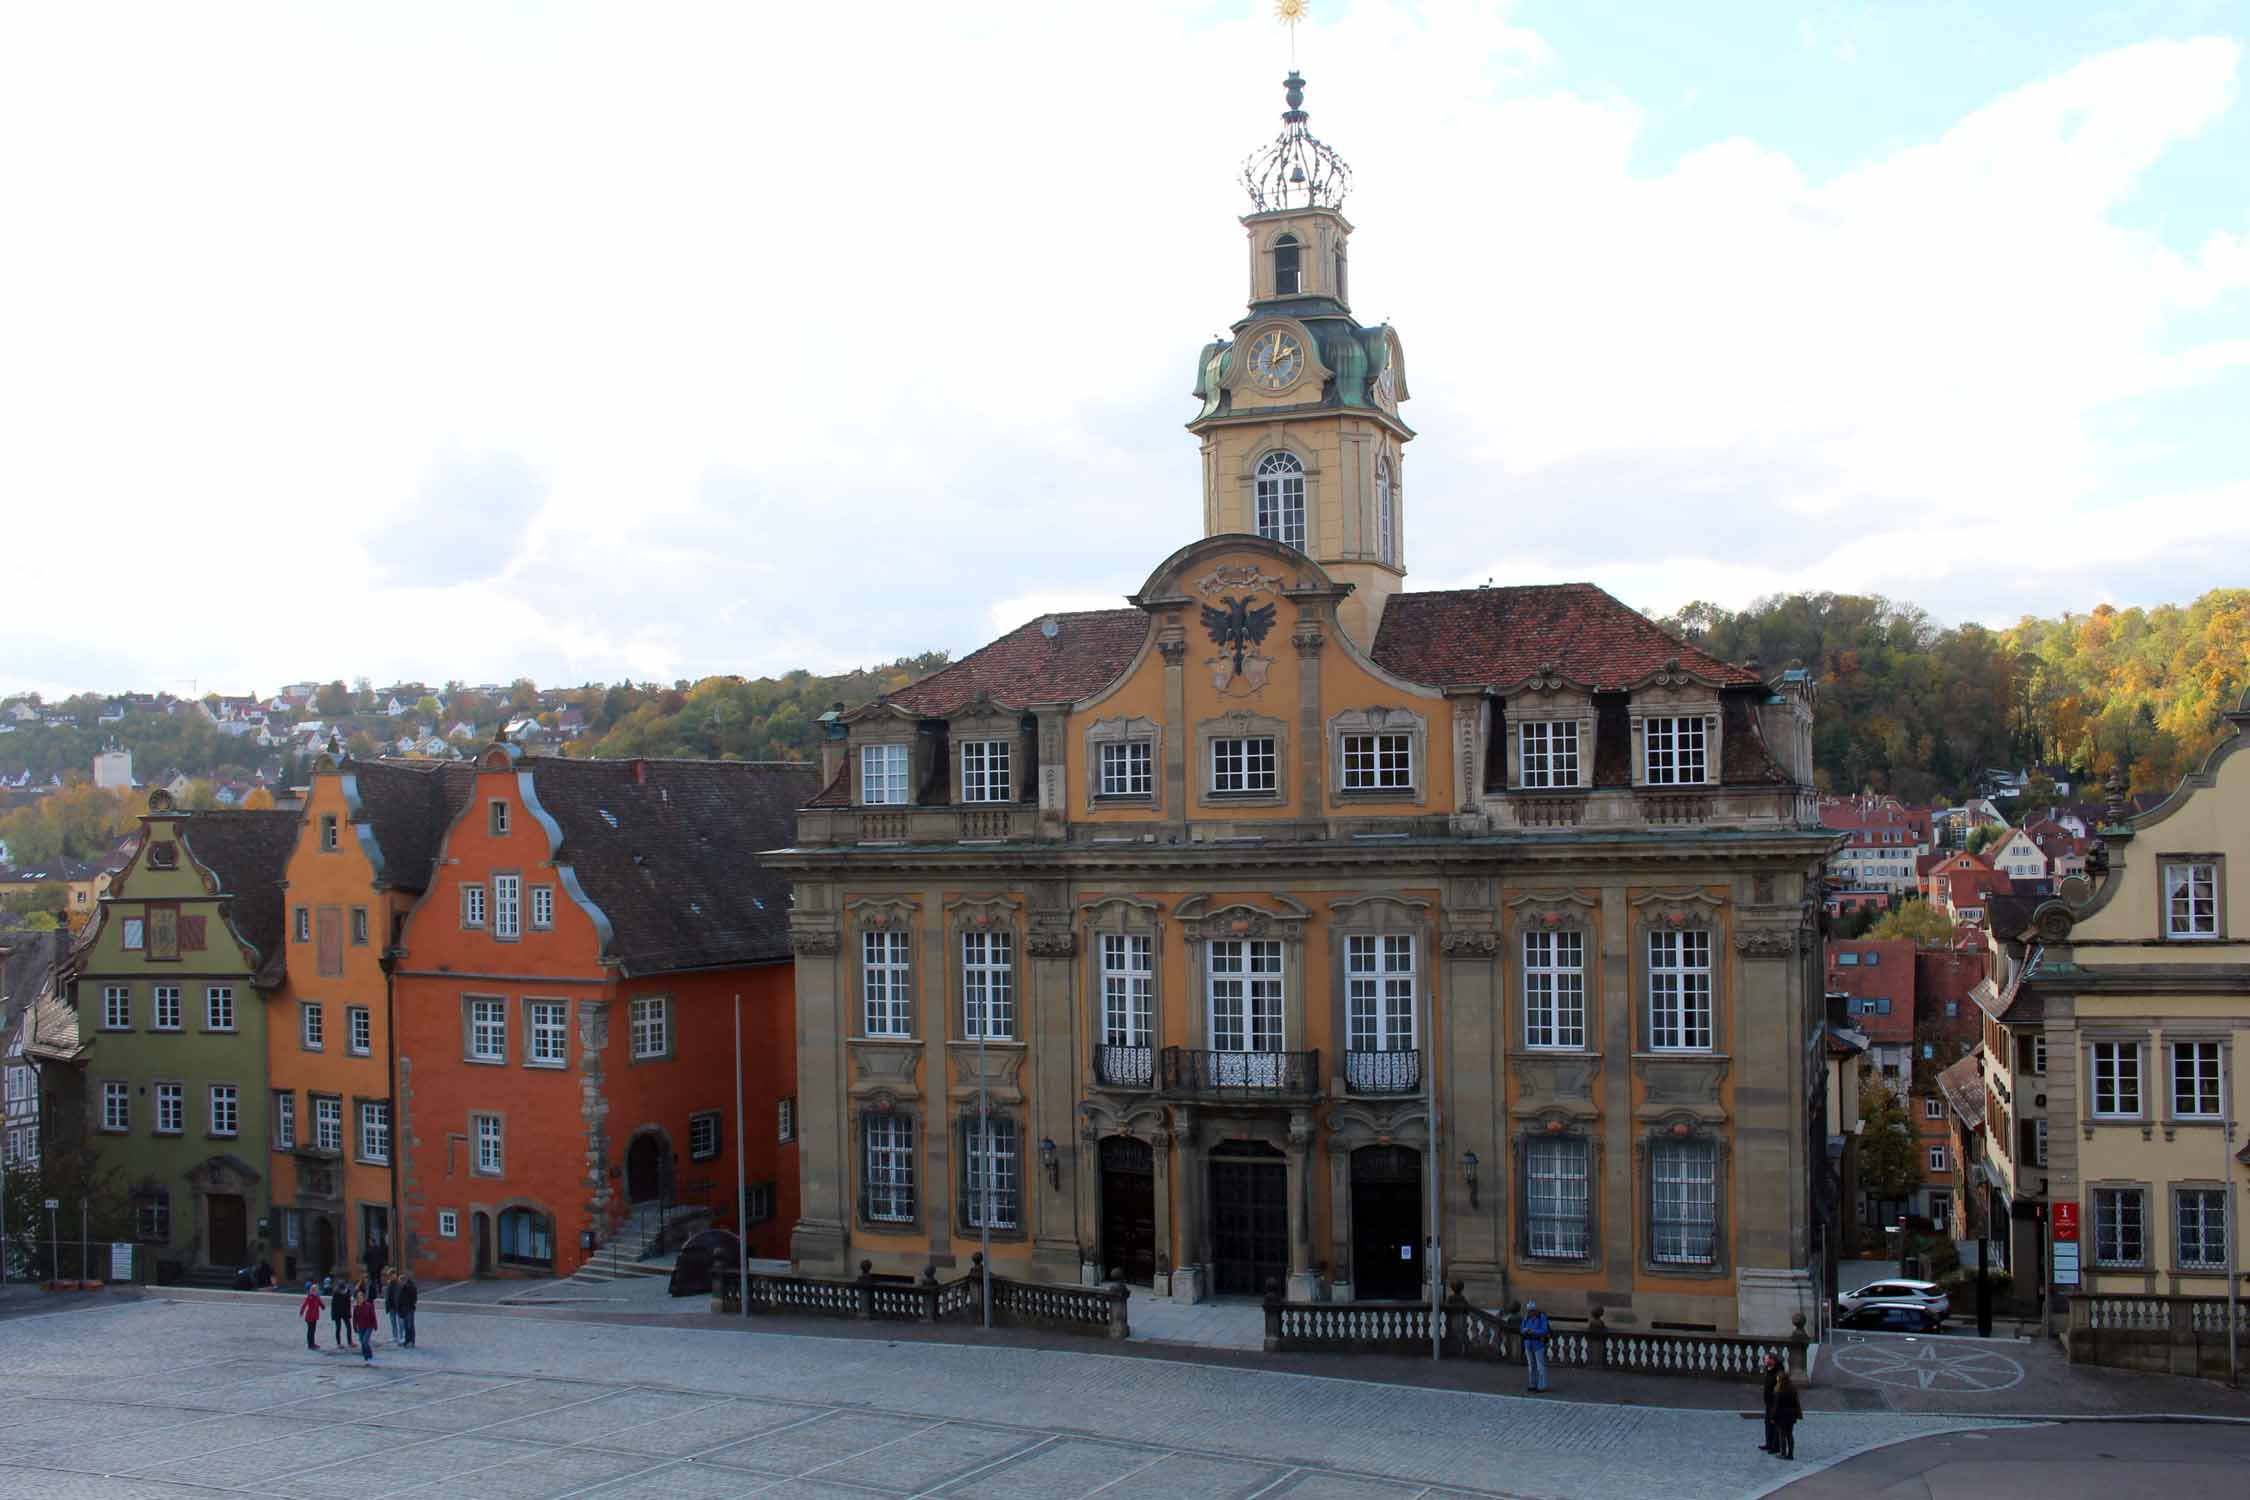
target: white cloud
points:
(808, 334)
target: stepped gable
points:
(668, 850)
(409, 805)
(249, 853)
(1086, 653)
(1499, 636)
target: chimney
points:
(834, 738)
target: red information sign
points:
(2066, 1221)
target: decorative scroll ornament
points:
(1474, 943)
(1766, 942)
(1049, 942)
(814, 942)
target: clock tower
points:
(1302, 439)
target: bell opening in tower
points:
(1286, 266)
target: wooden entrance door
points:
(1249, 1220)
(644, 1169)
(1128, 1210)
(323, 1244)
(1386, 1224)
(230, 1229)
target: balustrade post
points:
(866, 1291)
(977, 1282)
(1273, 1317)
(1597, 1341)
(1798, 1340)
(1456, 1321)
(929, 1291)
(1120, 1294)
(1511, 1329)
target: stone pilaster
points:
(819, 1244)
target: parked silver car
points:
(1923, 1294)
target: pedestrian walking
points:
(408, 1295)
(363, 1323)
(1771, 1370)
(1534, 1330)
(340, 1312)
(1786, 1410)
(310, 1310)
(390, 1306)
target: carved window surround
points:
(889, 1105)
(1121, 730)
(1202, 923)
(890, 729)
(1671, 693)
(1373, 916)
(1242, 724)
(1547, 697)
(1123, 916)
(1379, 720)
(1003, 914)
(1686, 909)
(1548, 1125)
(1682, 1126)
(881, 914)
(1555, 911)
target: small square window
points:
(328, 837)
(1128, 769)
(1244, 766)
(448, 1224)
(359, 926)
(1378, 762)
(496, 821)
(703, 1135)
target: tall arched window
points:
(1281, 499)
(1386, 518)
(1286, 276)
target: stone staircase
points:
(642, 1244)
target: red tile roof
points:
(1499, 636)
(1086, 653)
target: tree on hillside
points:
(333, 700)
(1890, 1165)
(1917, 922)
(78, 822)
(1983, 836)
(259, 800)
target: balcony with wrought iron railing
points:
(1120, 1067)
(1398, 1072)
(1195, 1072)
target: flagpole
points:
(741, 1174)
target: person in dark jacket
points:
(408, 1295)
(390, 1307)
(378, 1256)
(1772, 1373)
(340, 1312)
(1786, 1410)
(310, 1310)
(363, 1323)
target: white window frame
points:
(986, 771)
(285, 1120)
(328, 1123)
(488, 1029)
(1245, 766)
(1246, 997)
(1127, 962)
(1557, 1204)
(885, 775)
(1547, 754)
(2202, 1212)
(1672, 746)
(1382, 1006)
(375, 1131)
(2115, 1069)
(2191, 900)
(1934, 1160)
(171, 1109)
(2197, 1075)
(785, 1119)
(1386, 518)
(2039, 1143)
(886, 983)
(1127, 768)
(1378, 761)
(1933, 1108)
(448, 1224)
(1683, 1203)
(547, 1033)
(507, 904)
(1554, 990)
(165, 1007)
(988, 986)
(2039, 1054)
(542, 907)
(359, 1031)
(1682, 990)
(706, 1124)
(117, 1007)
(226, 1109)
(488, 1138)
(496, 817)
(117, 1106)
(991, 1162)
(886, 1167)
(2112, 1224)
(312, 1027)
(1278, 498)
(652, 1027)
(472, 907)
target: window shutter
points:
(191, 934)
(328, 923)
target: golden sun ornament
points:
(1289, 12)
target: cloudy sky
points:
(590, 341)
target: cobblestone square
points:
(163, 1399)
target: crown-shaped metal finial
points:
(1298, 170)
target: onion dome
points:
(1297, 170)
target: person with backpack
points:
(310, 1310)
(1534, 1330)
(1787, 1409)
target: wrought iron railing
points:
(1197, 1070)
(1397, 1072)
(1124, 1067)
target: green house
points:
(172, 1031)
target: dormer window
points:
(1676, 751)
(1548, 753)
(984, 771)
(1288, 279)
(882, 775)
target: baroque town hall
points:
(1285, 921)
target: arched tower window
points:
(1386, 513)
(1281, 499)
(1287, 279)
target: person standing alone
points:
(310, 1310)
(1534, 1329)
(1786, 1410)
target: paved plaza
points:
(161, 1399)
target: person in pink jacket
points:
(310, 1310)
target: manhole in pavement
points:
(1925, 1365)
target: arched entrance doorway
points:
(645, 1161)
(1386, 1223)
(1249, 1218)
(1128, 1209)
(323, 1244)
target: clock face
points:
(1276, 360)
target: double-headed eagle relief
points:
(1238, 623)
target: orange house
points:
(565, 1006)
(362, 857)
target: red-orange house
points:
(564, 996)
